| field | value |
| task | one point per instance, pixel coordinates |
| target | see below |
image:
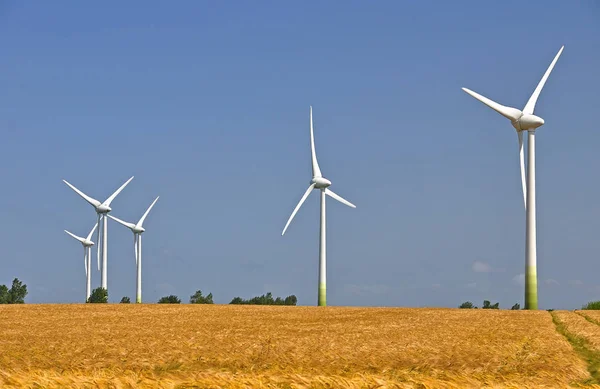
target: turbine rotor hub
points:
(528, 123)
(320, 182)
(103, 209)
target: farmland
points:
(222, 346)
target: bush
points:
(266, 299)
(467, 305)
(98, 296)
(172, 299)
(197, 298)
(516, 307)
(592, 305)
(125, 300)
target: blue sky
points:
(206, 104)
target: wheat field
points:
(224, 346)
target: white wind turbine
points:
(137, 230)
(526, 121)
(87, 259)
(319, 182)
(102, 209)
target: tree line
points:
(486, 305)
(100, 295)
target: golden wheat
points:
(223, 346)
(594, 315)
(578, 325)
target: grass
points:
(222, 346)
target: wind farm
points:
(251, 131)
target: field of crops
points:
(223, 346)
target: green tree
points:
(488, 305)
(290, 300)
(237, 300)
(125, 300)
(197, 298)
(4, 294)
(467, 305)
(516, 307)
(592, 305)
(98, 296)
(172, 299)
(17, 293)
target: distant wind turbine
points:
(87, 259)
(319, 182)
(102, 209)
(137, 230)
(526, 121)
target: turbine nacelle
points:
(528, 123)
(320, 182)
(138, 230)
(102, 208)
(88, 243)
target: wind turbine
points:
(319, 182)
(526, 121)
(87, 259)
(137, 230)
(102, 209)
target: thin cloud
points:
(519, 279)
(481, 267)
(576, 283)
(551, 282)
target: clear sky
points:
(206, 104)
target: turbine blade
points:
(529, 107)
(139, 224)
(128, 225)
(508, 112)
(339, 198)
(112, 197)
(135, 244)
(75, 236)
(98, 242)
(310, 188)
(315, 165)
(522, 163)
(92, 232)
(95, 203)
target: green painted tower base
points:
(531, 297)
(322, 295)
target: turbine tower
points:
(102, 209)
(137, 230)
(87, 259)
(526, 121)
(319, 182)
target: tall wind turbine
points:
(102, 209)
(526, 121)
(87, 259)
(319, 182)
(137, 230)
